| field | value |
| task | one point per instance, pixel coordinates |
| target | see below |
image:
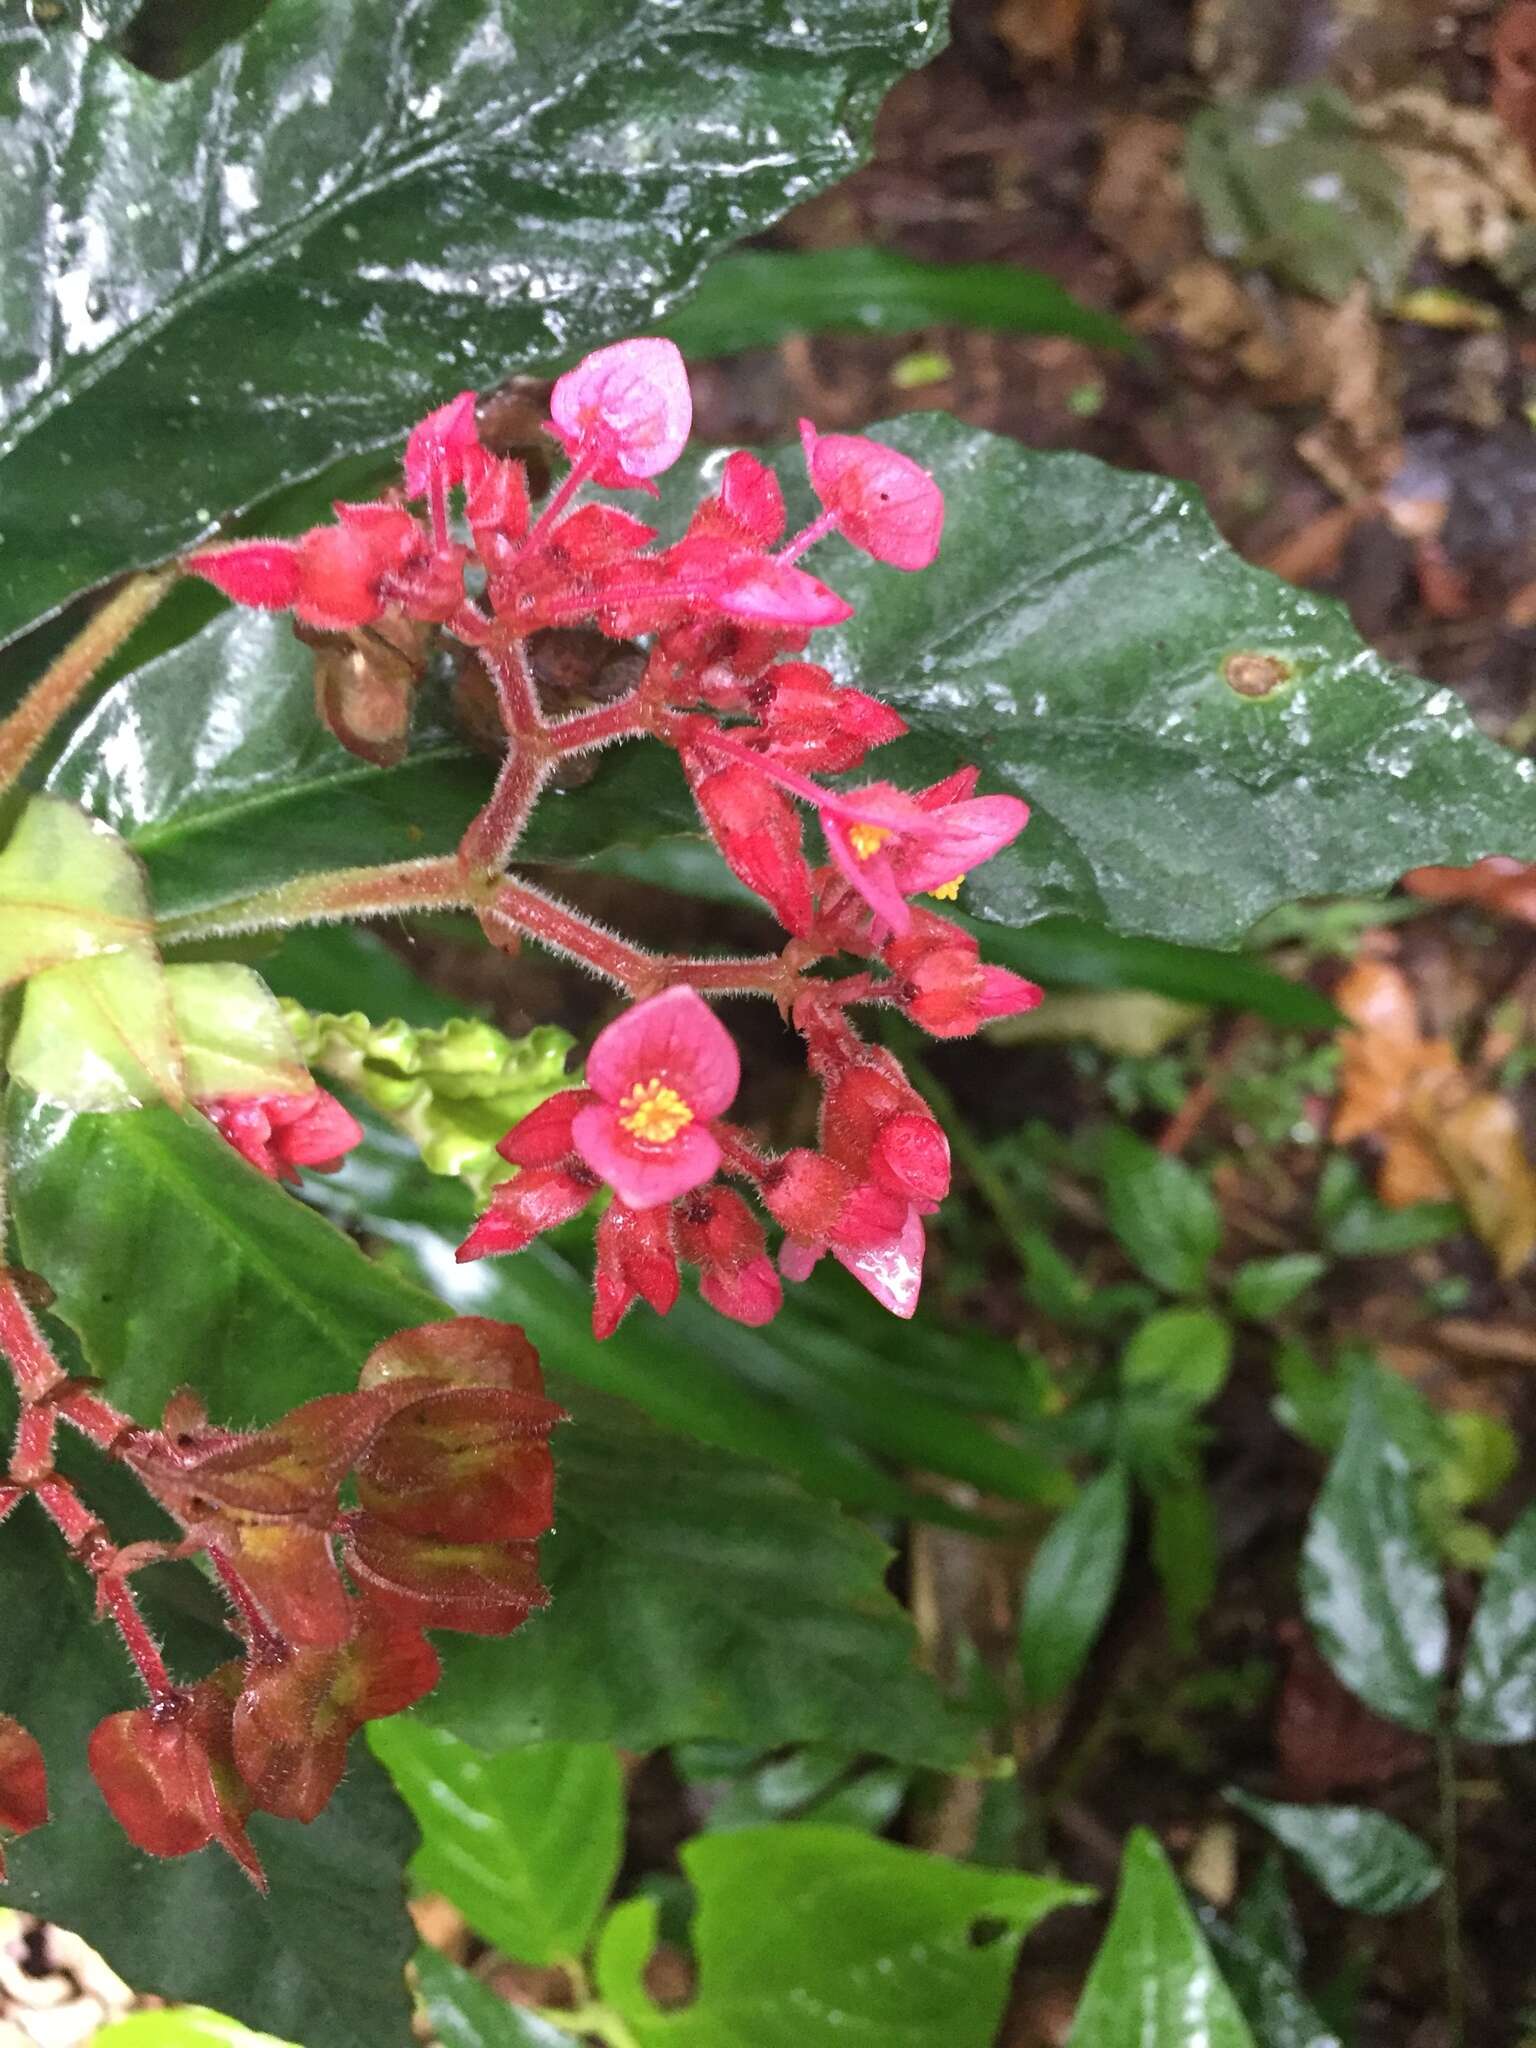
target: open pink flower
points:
(278, 1134)
(878, 499)
(626, 410)
(660, 1073)
(889, 845)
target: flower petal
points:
(675, 1038)
(644, 1175)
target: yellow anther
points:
(947, 891)
(867, 839)
(655, 1113)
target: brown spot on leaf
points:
(1256, 675)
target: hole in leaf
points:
(987, 1930)
(167, 39)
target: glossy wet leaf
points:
(321, 1959)
(69, 891)
(756, 297)
(1154, 1983)
(467, 2014)
(218, 285)
(1161, 1210)
(1365, 1861)
(1498, 1679)
(694, 1593)
(1071, 1585)
(1261, 1957)
(1370, 1580)
(804, 1929)
(526, 1844)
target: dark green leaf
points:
(1261, 1957)
(1365, 1861)
(1355, 1225)
(1265, 1915)
(1161, 1211)
(797, 1924)
(1153, 1983)
(756, 297)
(467, 2014)
(1289, 183)
(1072, 1584)
(1185, 1552)
(219, 285)
(695, 1594)
(321, 1959)
(1370, 1581)
(525, 1844)
(1498, 1680)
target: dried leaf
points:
(1505, 887)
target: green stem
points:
(398, 887)
(61, 683)
(1450, 1890)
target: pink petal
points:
(644, 1175)
(675, 1038)
(442, 440)
(798, 1261)
(891, 1272)
(1005, 994)
(778, 594)
(884, 502)
(954, 840)
(312, 1130)
(264, 573)
(634, 399)
(750, 492)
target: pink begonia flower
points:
(889, 845)
(660, 1073)
(627, 408)
(880, 500)
(440, 443)
(278, 1134)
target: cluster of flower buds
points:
(446, 1442)
(277, 1134)
(726, 612)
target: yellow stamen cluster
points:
(947, 891)
(654, 1113)
(867, 839)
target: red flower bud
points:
(167, 1771)
(759, 836)
(495, 497)
(443, 441)
(636, 1259)
(521, 1210)
(23, 1783)
(299, 1709)
(718, 1233)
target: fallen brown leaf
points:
(1441, 1135)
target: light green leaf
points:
(69, 889)
(525, 1844)
(1182, 1355)
(234, 1038)
(1370, 1581)
(99, 1035)
(181, 2026)
(1071, 1585)
(1161, 1210)
(1153, 1983)
(1365, 1861)
(1262, 1288)
(797, 1924)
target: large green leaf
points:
(468, 2014)
(1072, 1585)
(1364, 1860)
(525, 1844)
(1498, 1679)
(694, 1593)
(218, 285)
(1370, 1580)
(321, 1959)
(807, 1933)
(1153, 1983)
